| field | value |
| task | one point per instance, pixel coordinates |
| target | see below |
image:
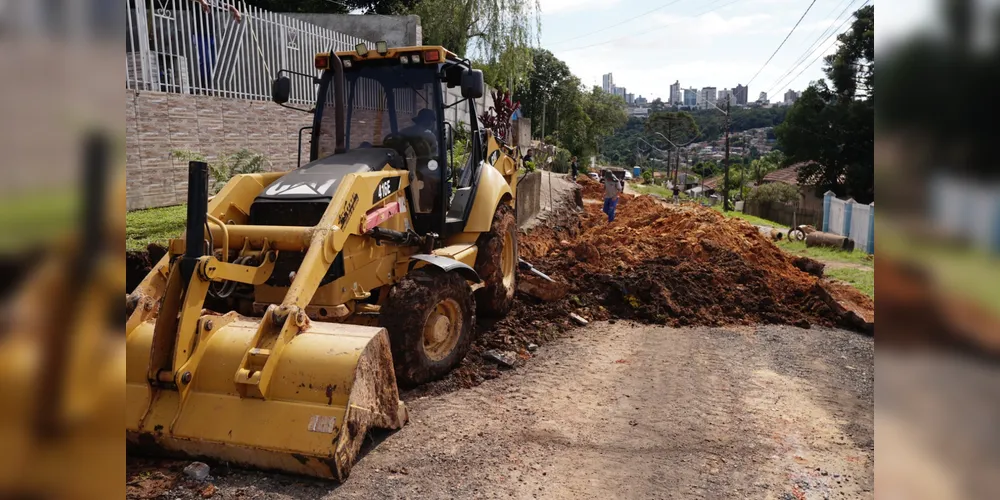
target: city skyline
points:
(712, 44)
(678, 95)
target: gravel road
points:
(630, 411)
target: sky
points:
(701, 43)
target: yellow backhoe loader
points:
(274, 333)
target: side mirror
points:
(473, 85)
(281, 89)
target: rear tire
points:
(430, 316)
(496, 263)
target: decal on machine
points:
(322, 423)
(345, 214)
(385, 188)
(300, 188)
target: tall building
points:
(690, 97)
(763, 98)
(725, 94)
(740, 94)
(790, 97)
(640, 101)
(675, 94)
(630, 98)
(620, 92)
(609, 83)
(708, 95)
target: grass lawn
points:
(825, 254)
(652, 189)
(757, 221)
(862, 279)
(30, 219)
(154, 225)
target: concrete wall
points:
(460, 112)
(157, 123)
(529, 194)
(398, 31)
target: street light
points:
(725, 181)
(678, 163)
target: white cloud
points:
(715, 24)
(572, 6)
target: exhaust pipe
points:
(197, 210)
(338, 95)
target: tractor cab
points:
(389, 103)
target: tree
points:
(764, 165)
(657, 105)
(606, 113)
(775, 192)
(500, 32)
(832, 129)
(537, 97)
(678, 127)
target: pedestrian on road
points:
(612, 188)
(574, 168)
(677, 194)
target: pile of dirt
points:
(662, 264)
(685, 265)
(590, 188)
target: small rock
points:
(532, 347)
(197, 471)
(824, 473)
(504, 358)
(579, 319)
(208, 491)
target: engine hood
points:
(319, 180)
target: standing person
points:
(612, 188)
(527, 156)
(677, 194)
(574, 168)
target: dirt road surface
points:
(630, 411)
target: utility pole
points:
(544, 104)
(725, 178)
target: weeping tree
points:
(499, 33)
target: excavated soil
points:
(676, 265)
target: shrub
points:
(560, 162)
(775, 192)
(226, 165)
(647, 177)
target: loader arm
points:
(189, 351)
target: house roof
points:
(713, 182)
(787, 175)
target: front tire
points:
(430, 316)
(496, 263)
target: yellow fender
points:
(491, 192)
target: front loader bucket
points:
(331, 384)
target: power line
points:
(821, 54)
(644, 32)
(783, 41)
(823, 37)
(668, 4)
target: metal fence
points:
(210, 47)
